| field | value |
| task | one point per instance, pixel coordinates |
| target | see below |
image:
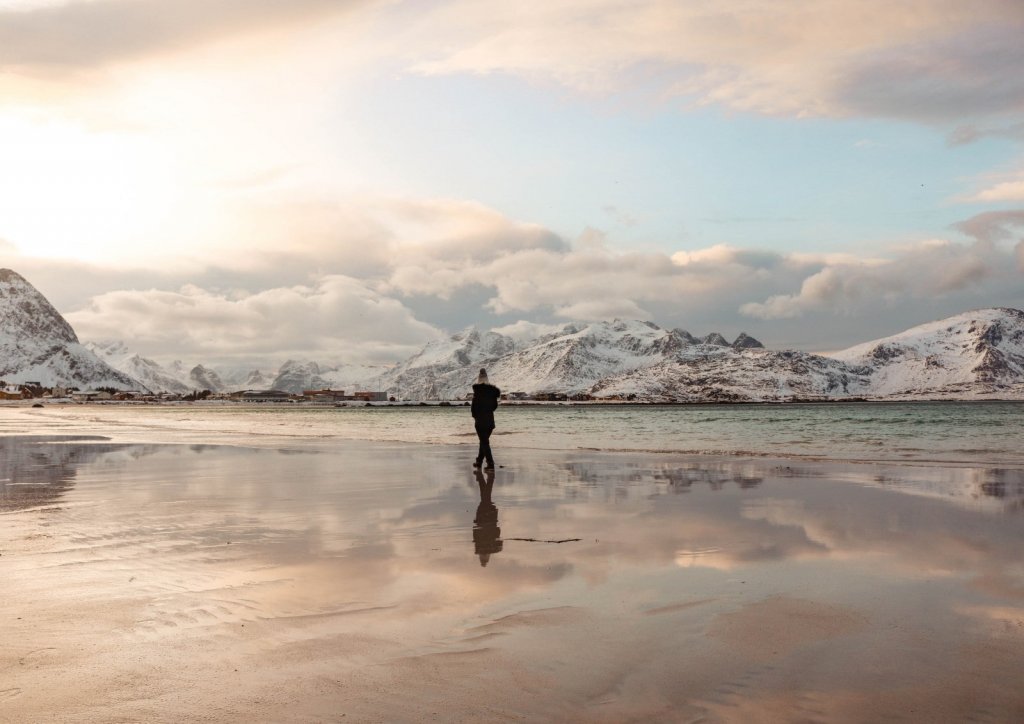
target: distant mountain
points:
(147, 371)
(38, 345)
(978, 354)
(297, 375)
(293, 376)
(974, 354)
(204, 378)
(575, 359)
(716, 373)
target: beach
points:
(168, 566)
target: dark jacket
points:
(485, 402)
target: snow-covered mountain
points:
(38, 345)
(726, 374)
(204, 378)
(575, 359)
(974, 354)
(977, 354)
(293, 376)
(147, 371)
(299, 375)
(245, 378)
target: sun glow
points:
(69, 192)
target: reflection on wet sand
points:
(297, 587)
(486, 533)
(38, 470)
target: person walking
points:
(485, 402)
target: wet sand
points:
(146, 581)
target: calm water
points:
(978, 433)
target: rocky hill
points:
(38, 345)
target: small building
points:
(90, 395)
(517, 396)
(325, 395)
(370, 396)
(13, 393)
(265, 396)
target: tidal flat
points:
(176, 573)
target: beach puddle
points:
(395, 582)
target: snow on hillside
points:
(974, 354)
(977, 354)
(147, 371)
(38, 345)
(729, 375)
(297, 375)
(571, 360)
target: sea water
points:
(975, 433)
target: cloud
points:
(922, 272)
(80, 35)
(1003, 191)
(526, 331)
(925, 60)
(336, 315)
(942, 78)
(390, 273)
(993, 226)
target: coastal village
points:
(323, 397)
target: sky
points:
(247, 181)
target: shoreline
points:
(888, 400)
(269, 426)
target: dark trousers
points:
(483, 431)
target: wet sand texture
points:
(147, 582)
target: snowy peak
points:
(981, 351)
(463, 348)
(716, 340)
(157, 379)
(745, 341)
(297, 376)
(569, 360)
(26, 316)
(203, 378)
(38, 345)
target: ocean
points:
(974, 433)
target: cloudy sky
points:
(247, 180)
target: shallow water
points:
(979, 433)
(389, 582)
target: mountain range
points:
(974, 355)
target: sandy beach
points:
(157, 577)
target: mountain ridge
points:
(978, 354)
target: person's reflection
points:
(486, 533)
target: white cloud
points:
(1004, 191)
(526, 331)
(338, 316)
(388, 265)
